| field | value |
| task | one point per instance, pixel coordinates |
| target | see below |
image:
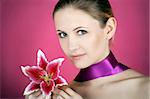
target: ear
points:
(110, 28)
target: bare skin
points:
(82, 35)
(126, 85)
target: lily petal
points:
(53, 68)
(47, 87)
(31, 88)
(34, 73)
(41, 60)
(23, 69)
(60, 81)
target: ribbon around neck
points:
(107, 67)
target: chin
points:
(80, 65)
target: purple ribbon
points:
(107, 67)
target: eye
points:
(82, 32)
(62, 35)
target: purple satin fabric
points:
(107, 67)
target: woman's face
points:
(81, 37)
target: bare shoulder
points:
(135, 84)
(126, 85)
(134, 78)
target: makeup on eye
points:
(81, 32)
(62, 34)
(78, 30)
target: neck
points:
(106, 67)
(103, 56)
(106, 80)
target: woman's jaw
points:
(81, 37)
(84, 60)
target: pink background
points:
(27, 26)
(0, 43)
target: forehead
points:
(71, 17)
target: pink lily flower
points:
(45, 76)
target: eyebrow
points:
(73, 29)
(78, 28)
(61, 31)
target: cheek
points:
(99, 41)
(96, 44)
(64, 46)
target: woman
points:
(85, 29)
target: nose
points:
(73, 45)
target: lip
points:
(77, 57)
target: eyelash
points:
(79, 32)
(82, 32)
(62, 33)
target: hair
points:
(99, 9)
